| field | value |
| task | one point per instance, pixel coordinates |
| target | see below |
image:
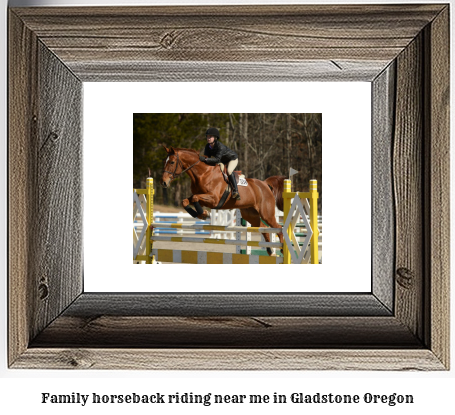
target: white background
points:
(20, 390)
(108, 147)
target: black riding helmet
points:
(213, 131)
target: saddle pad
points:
(240, 179)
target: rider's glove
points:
(202, 158)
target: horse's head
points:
(178, 161)
(172, 167)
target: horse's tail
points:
(276, 185)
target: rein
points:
(176, 176)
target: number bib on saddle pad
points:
(242, 181)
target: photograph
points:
(226, 184)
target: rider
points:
(219, 153)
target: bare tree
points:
(289, 141)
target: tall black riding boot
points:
(235, 192)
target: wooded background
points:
(267, 145)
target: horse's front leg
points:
(196, 200)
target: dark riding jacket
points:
(219, 154)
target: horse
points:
(208, 186)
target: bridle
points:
(176, 176)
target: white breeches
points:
(231, 166)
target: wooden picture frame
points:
(403, 324)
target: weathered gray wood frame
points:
(403, 50)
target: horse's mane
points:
(191, 150)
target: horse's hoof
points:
(204, 216)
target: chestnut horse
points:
(207, 185)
